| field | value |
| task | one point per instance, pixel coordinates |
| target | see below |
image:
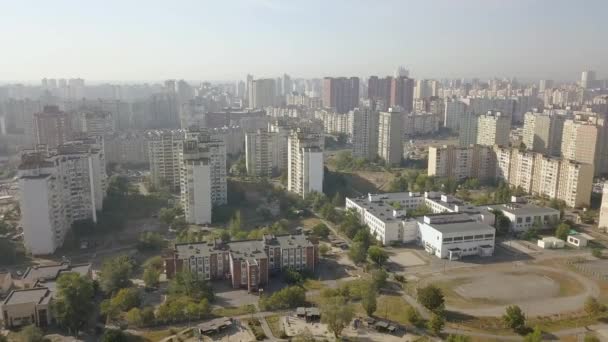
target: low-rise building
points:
(453, 236)
(525, 216)
(248, 263)
(25, 307)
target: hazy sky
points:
(225, 39)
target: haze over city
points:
(274, 170)
(222, 40)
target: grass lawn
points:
(274, 322)
(312, 284)
(156, 335)
(389, 307)
(230, 311)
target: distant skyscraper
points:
(401, 71)
(454, 110)
(262, 93)
(341, 93)
(248, 80)
(287, 86)
(52, 127)
(379, 90)
(402, 93)
(544, 85)
(588, 79)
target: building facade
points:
(341, 94)
(390, 136)
(493, 129)
(365, 133)
(246, 264)
(305, 163)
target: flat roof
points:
(37, 295)
(468, 226)
(51, 272)
(523, 209)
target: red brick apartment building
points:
(247, 263)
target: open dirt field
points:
(538, 290)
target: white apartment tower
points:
(467, 129)
(390, 139)
(262, 93)
(365, 130)
(305, 163)
(59, 187)
(493, 128)
(202, 176)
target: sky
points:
(136, 40)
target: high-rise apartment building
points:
(335, 123)
(467, 129)
(379, 90)
(262, 93)
(341, 93)
(402, 93)
(543, 132)
(588, 79)
(261, 153)
(95, 122)
(603, 224)
(287, 85)
(493, 128)
(417, 123)
(538, 174)
(390, 136)
(459, 163)
(164, 152)
(59, 187)
(305, 163)
(365, 131)
(580, 142)
(453, 111)
(52, 127)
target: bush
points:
(431, 297)
(287, 298)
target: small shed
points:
(579, 239)
(551, 242)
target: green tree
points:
(337, 314)
(377, 255)
(73, 302)
(431, 297)
(8, 252)
(235, 226)
(155, 262)
(150, 277)
(379, 278)
(562, 231)
(368, 298)
(436, 323)
(134, 317)
(114, 335)
(147, 315)
(514, 318)
(591, 338)
(286, 298)
(412, 316)
(126, 299)
(501, 222)
(357, 252)
(323, 249)
(116, 274)
(188, 284)
(534, 336)
(321, 230)
(31, 333)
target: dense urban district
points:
(390, 209)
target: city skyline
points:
(114, 41)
